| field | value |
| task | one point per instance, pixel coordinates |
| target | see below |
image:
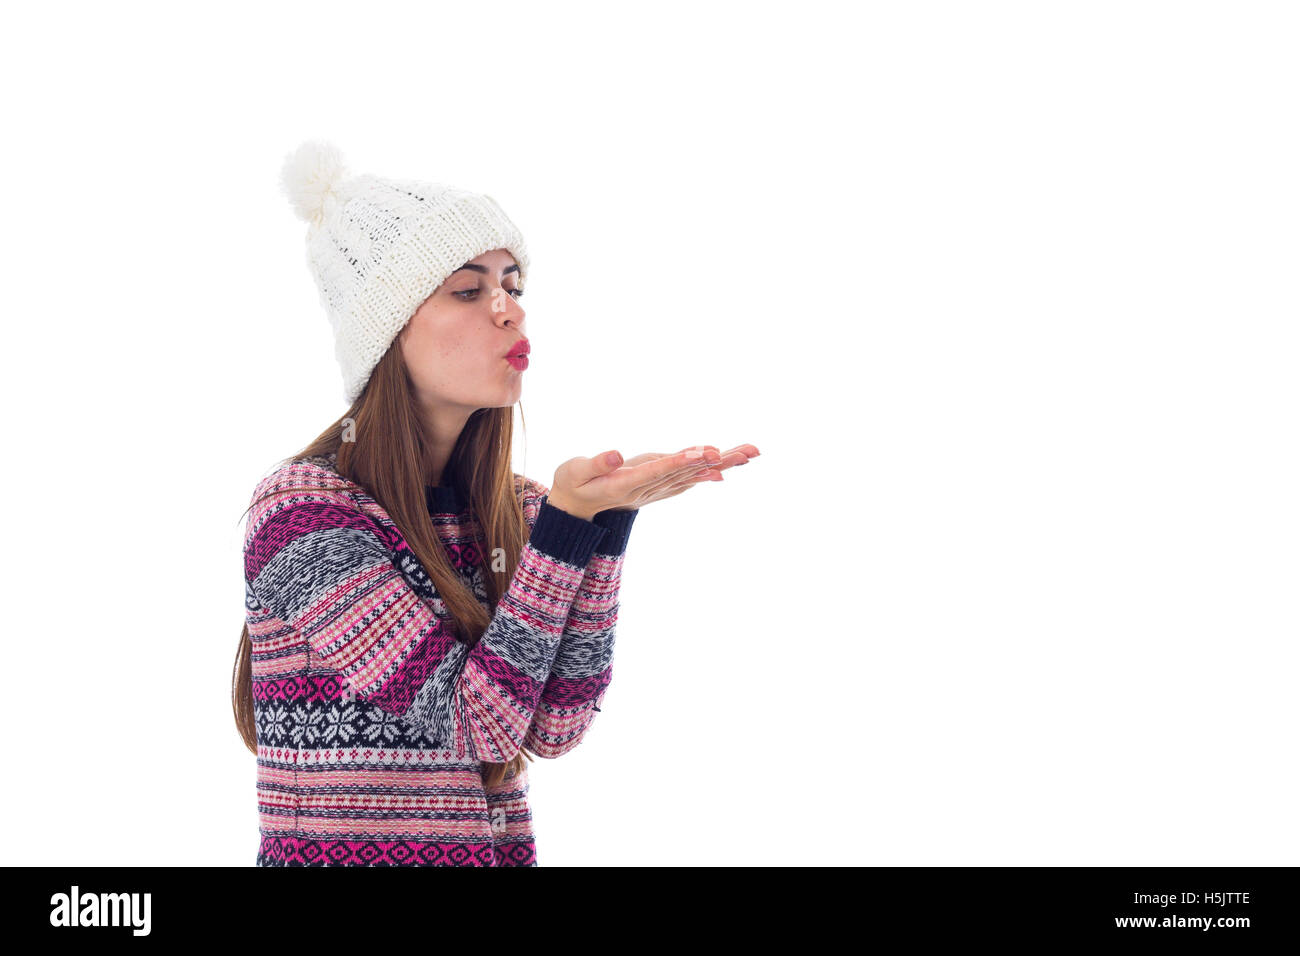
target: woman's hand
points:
(584, 486)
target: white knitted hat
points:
(378, 248)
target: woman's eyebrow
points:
(483, 269)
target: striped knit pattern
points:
(582, 668)
(371, 717)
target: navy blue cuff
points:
(618, 523)
(565, 537)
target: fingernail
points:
(614, 458)
(694, 453)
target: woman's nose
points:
(506, 305)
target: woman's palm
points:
(678, 481)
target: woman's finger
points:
(691, 476)
(645, 477)
(641, 459)
(672, 481)
(642, 483)
(670, 489)
(655, 455)
(651, 472)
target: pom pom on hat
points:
(311, 177)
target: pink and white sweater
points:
(371, 716)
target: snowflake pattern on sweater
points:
(371, 717)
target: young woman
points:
(419, 617)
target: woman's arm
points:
(320, 564)
(582, 668)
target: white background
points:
(1005, 293)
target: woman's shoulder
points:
(529, 486)
(303, 481)
(302, 496)
(530, 493)
(312, 471)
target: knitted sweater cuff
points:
(618, 523)
(565, 537)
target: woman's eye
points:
(470, 293)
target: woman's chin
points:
(508, 397)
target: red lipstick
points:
(518, 354)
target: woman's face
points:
(456, 342)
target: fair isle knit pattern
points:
(371, 717)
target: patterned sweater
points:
(371, 717)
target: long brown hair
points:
(384, 453)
